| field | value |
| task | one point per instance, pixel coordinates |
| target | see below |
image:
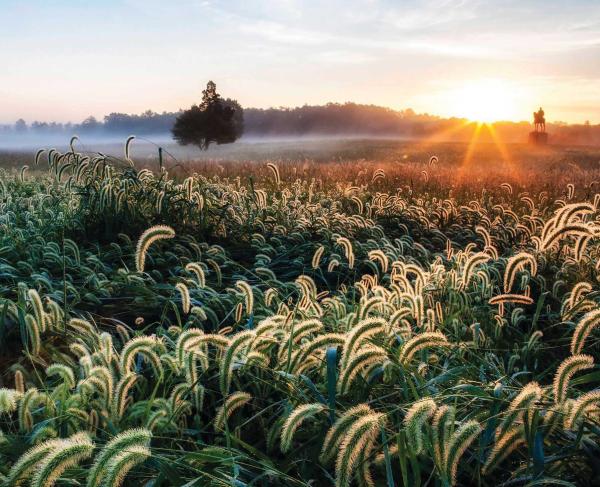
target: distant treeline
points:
(348, 119)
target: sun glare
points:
(486, 100)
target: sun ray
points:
(445, 134)
(465, 167)
(501, 146)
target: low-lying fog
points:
(247, 147)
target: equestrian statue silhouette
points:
(539, 120)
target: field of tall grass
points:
(406, 320)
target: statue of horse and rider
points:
(539, 120)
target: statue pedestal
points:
(538, 138)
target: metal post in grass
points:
(331, 356)
(160, 158)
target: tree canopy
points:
(215, 120)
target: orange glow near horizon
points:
(445, 134)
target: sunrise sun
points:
(487, 100)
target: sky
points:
(66, 60)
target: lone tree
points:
(214, 120)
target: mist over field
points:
(95, 143)
(330, 121)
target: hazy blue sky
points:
(65, 60)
